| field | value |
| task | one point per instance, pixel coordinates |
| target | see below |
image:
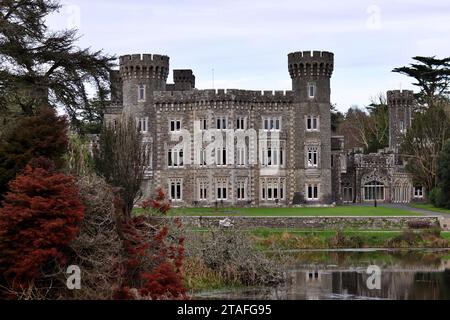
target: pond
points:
(355, 274)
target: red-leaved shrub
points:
(154, 256)
(160, 204)
(39, 218)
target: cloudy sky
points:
(246, 42)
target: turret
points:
(141, 76)
(311, 73)
(400, 105)
(184, 80)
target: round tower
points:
(400, 104)
(141, 76)
(311, 73)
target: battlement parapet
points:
(374, 160)
(311, 63)
(144, 66)
(399, 97)
(132, 59)
(222, 95)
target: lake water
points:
(329, 275)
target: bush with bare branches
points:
(231, 253)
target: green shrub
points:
(437, 198)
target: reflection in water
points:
(412, 275)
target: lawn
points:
(294, 239)
(294, 212)
(430, 207)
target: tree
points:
(353, 129)
(119, 158)
(336, 118)
(38, 220)
(78, 158)
(443, 176)
(41, 135)
(40, 67)
(378, 124)
(423, 143)
(432, 76)
(367, 129)
(98, 248)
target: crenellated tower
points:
(141, 76)
(311, 75)
(400, 104)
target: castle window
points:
(141, 93)
(222, 189)
(142, 124)
(175, 125)
(402, 127)
(348, 194)
(221, 123)
(272, 123)
(241, 123)
(175, 158)
(176, 189)
(241, 187)
(418, 192)
(221, 156)
(312, 123)
(203, 158)
(374, 190)
(311, 91)
(312, 160)
(203, 187)
(272, 156)
(241, 156)
(203, 124)
(272, 189)
(147, 156)
(312, 192)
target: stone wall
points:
(305, 223)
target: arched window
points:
(141, 92)
(374, 190)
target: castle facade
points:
(252, 148)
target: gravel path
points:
(407, 207)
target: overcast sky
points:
(247, 42)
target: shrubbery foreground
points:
(52, 218)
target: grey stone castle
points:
(281, 151)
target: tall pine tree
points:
(40, 67)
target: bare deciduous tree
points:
(423, 143)
(367, 129)
(119, 158)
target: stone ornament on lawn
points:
(226, 223)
